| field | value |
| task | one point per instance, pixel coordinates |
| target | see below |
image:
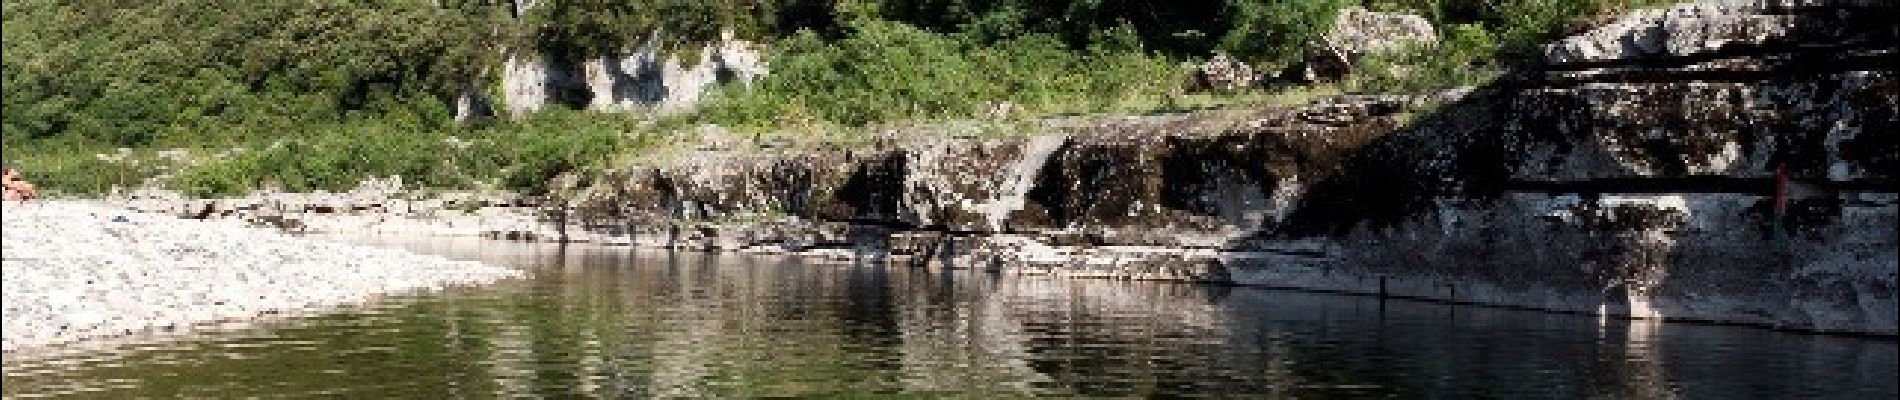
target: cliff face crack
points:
(1700, 184)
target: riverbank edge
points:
(516, 218)
(83, 275)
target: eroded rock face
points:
(1647, 181)
(646, 79)
(1151, 197)
(1637, 173)
(1706, 27)
(532, 81)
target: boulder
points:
(1356, 33)
(1223, 73)
(1680, 30)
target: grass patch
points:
(73, 172)
(884, 71)
(516, 156)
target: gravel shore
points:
(78, 271)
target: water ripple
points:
(605, 322)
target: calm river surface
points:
(609, 322)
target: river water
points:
(610, 322)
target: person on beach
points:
(16, 188)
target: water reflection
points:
(606, 322)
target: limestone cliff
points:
(641, 75)
(645, 78)
(1637, 172)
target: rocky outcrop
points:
(644, 79)
(1223, 73)
(1355, 34)
(1358, 32)
(1673, 164)
(1152, 197)
(1697, 28)
(1638, 173)
(532, 81)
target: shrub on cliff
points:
(1520, 28)
(887, 71)
(1464, 57)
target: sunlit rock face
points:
(651, 79)
(1635, 173)
(533, 81)
(644, 78)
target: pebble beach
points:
(76, 271)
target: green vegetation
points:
(515, 156)
(319, 94)
(337, 156)
(887, 71)
(1463, 57)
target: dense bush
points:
(888, 71)
(507, 156)
(1519, 27)
(1278, 32)
(191, 72)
